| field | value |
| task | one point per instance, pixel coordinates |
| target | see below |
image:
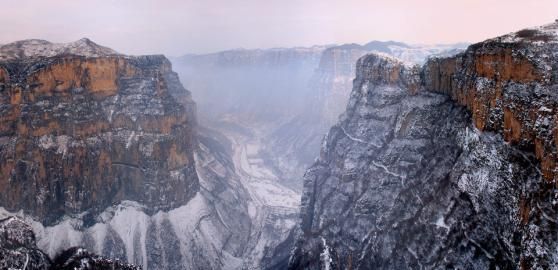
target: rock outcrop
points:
(18, 250)
(83, 128)
(418, 174)
(81, 259)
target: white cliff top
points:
(33, 48)
(539, 34)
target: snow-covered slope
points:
(18, 250)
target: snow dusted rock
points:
(18, 248)
(81, 259)
(84, 129)
(406, 180)
(221, 227)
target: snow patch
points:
(60, 143)
(545, 109)
(359, 140)
(386, 170)
(325, 256)
(130, 139)
(441, 222)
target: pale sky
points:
(176, 27)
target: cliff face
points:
(406, 180)
(80, 133)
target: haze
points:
(177, 27)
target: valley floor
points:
(273, 207)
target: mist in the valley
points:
(256, 85)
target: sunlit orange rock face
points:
(509, 87)
(79, 134)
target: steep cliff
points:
(227, 225)
(409, 178)
(509, 85)
(81, 131)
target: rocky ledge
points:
(83, 129)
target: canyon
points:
(441, 156)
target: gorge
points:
(440, 157)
